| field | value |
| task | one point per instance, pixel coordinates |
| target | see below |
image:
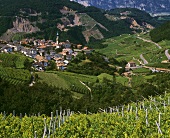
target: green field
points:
(15, 76)
(123, 80)
(67, 80)
(86, 19)
(104, 75)
(52, 79)
(125, 47)
(13, 70)
(141, 70)
(14, 60)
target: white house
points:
(66, 62)
(131, 64)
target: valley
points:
(68, 70)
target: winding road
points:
(150, 42)
(143, 59)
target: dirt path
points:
(143, 59)
(85, 85)
(158, 69)
(87, 88)
(150, 42)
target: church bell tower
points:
(57, 38)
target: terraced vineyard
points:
(15, 76)
(148, 118)
(125, 47)
(67, 80)
(12, 68)
(13, 60)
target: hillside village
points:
(43, 51)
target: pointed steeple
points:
(57, 38)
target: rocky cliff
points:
(24, 25)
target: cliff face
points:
(151, 6)
(80, 19)
(20, 25)
(23, 25)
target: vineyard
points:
(15, 76)
(67, 80)
(13, 60)
(12, 68)
(148, 118)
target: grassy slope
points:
(129, 46)
(65, 80)
(52, 79)
(12, 68)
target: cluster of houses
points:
(43, 51)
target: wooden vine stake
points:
(146, 117)
(159, 129)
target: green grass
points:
(52, 79)
(137, 80)
(147, 77)
(13, 60)
(123, 80)
(81, 77)
(67, 80)
(145, 35)
(158, 65)
(141, 70)
(104, 75)
(77, 95)
(125, 47)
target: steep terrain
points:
(152, 6)
(161, 33)
(73, 21)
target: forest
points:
(161, 33)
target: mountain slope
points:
(161, 33)
(75, 22)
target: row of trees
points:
(91, 64)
